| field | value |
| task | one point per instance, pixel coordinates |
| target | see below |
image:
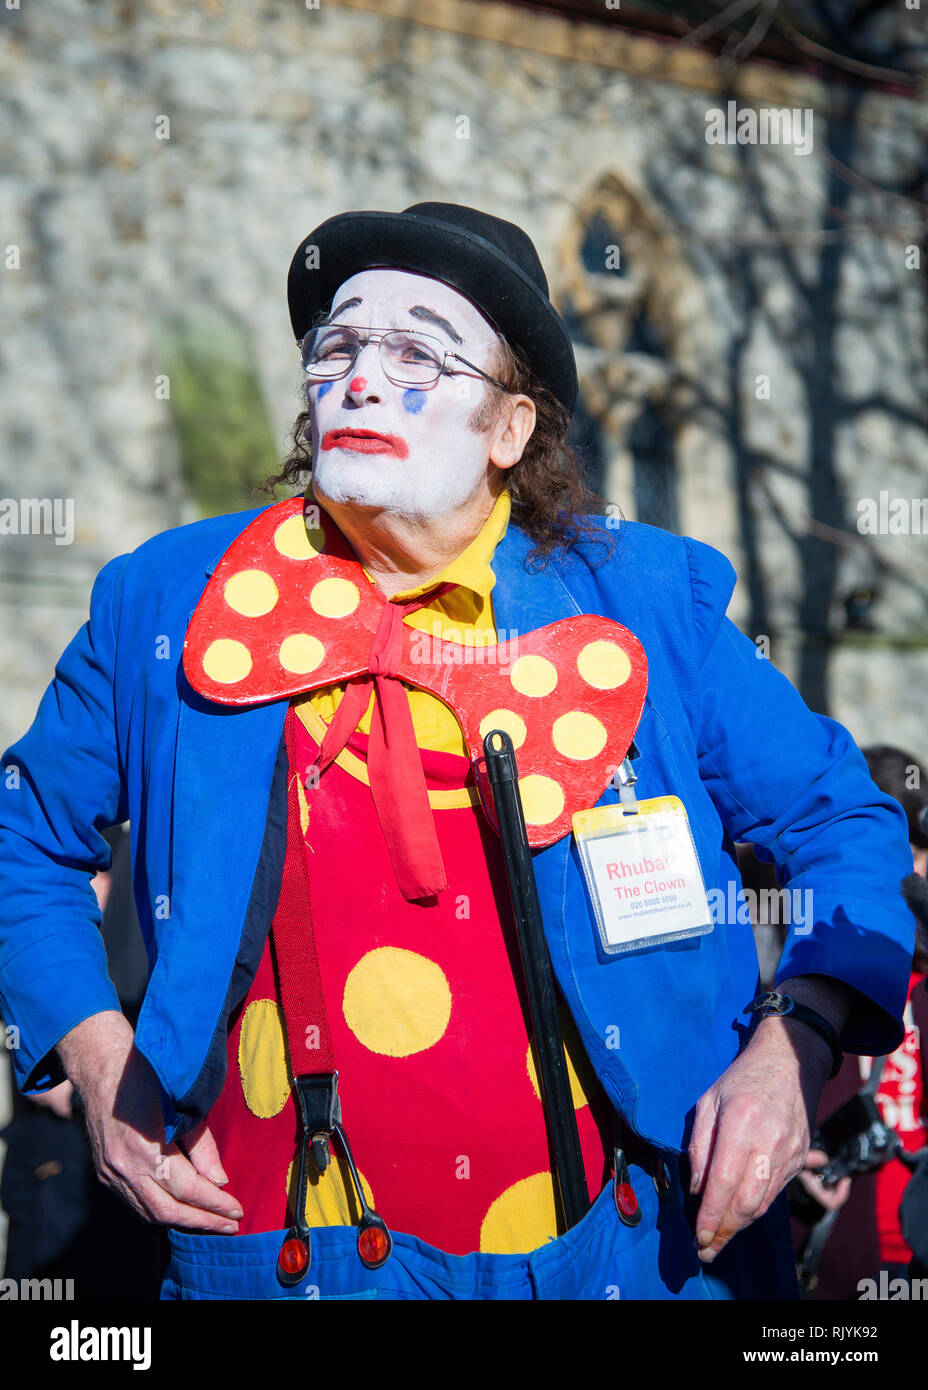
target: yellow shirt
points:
(464, 615)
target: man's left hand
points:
(753, 1127)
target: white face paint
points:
(437, 462)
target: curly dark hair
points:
(551, 501)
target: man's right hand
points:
(165, 1184)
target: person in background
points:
(63, 1222)
(867, 1236)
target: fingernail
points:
(218, 1176)
(229, 1230)
(705, 1237)
(707, 1256)
(236, 1214)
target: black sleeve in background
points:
(122, 934)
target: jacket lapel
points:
(525, 600)
(224, 768)
(522, 601)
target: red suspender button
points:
(374, 1245)
(294, 1257)
(625, 1199)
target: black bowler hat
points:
(491, 261)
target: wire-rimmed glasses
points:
(407, 358)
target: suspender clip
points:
(321, 1112)
(626, 1203)
(624, 780)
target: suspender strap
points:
(293, 943)
(309, 1045)
(561, 1117)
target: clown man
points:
(333, 1089)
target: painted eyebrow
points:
(346, 304)
(418, 311)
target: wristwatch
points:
(785, 1005)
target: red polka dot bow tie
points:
(289, 609)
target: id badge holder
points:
(641, 869)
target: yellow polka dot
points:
(397, 1002)
(251, 592)
(542, 799)
(331, 1199)
(227, 661)
(293, 540)
(334, 598)
(533, 675)
(508, 721)
(300, 653)
(580, 1072)
(262, 1059)
(604, 665)
(578, 735)
(521, 1219)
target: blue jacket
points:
(120, 734)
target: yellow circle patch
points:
(397, 1002)
(334, 597)
(542, 799)
(578, 735)
(296, 542)
(251, 593)
(262, 1059)
(521, 1219)
(226, 661)
(580, 1073)
(533, 675)
(300, 653)
(331, 1199)
(604, 665)
(507, 720)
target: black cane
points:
(539, 979)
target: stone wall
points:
(749, 322)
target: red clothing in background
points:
(901, 1099)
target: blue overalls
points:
(599, 1258)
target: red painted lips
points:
(365, 442)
